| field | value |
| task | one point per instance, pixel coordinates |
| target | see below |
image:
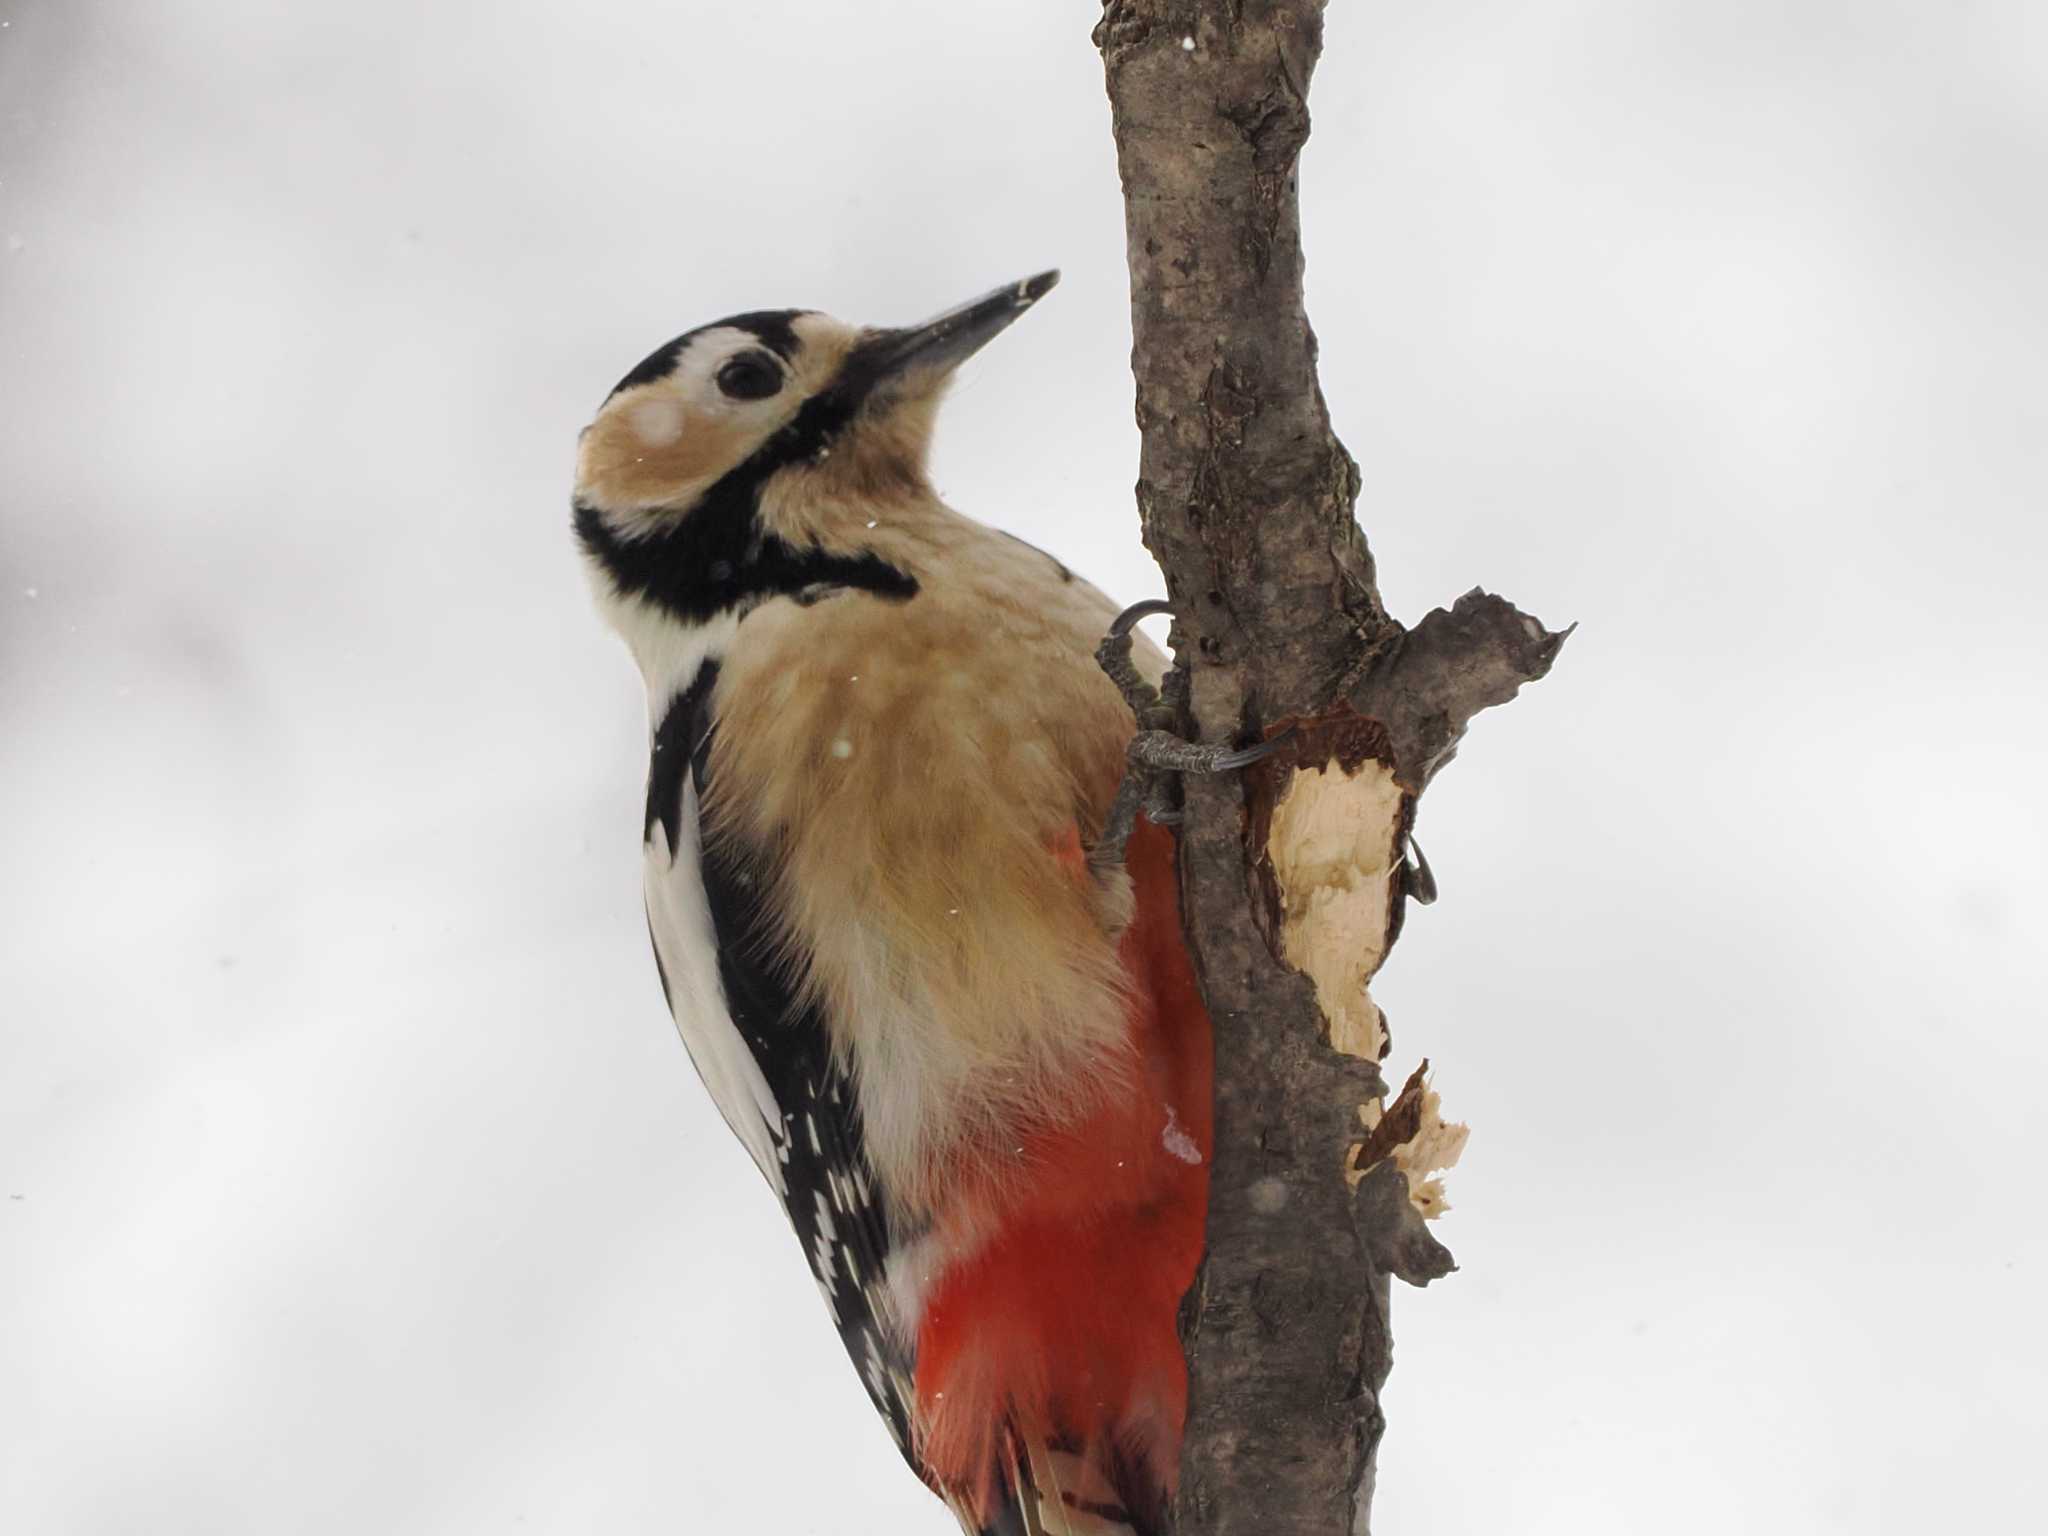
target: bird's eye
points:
(750, 376)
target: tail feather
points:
(1053, 1490)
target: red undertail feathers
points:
(1050, 1381)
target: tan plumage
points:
(970, 719)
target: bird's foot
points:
(1156, 753)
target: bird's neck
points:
(668, 649)
(677, 596)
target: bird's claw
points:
(1129, 619)
(1113, 655)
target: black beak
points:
(930, 351)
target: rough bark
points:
(1246, 500)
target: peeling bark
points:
(1245, 498)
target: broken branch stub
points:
(1426, 686)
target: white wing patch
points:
(679, 920)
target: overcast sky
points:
(355, 1180)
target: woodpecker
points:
(957, 1031)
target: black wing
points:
(829, 1190)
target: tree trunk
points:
(1294, 875)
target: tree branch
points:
(1293, 878)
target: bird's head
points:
(686, 478)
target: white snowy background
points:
(354, 1179)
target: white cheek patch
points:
(657, 422)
